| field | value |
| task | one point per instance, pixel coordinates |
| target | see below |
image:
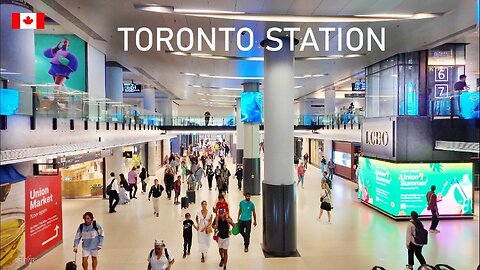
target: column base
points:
(251, 166)
(279, 220)
(239, 157)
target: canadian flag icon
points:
(28, 20)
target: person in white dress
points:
(204, 227)
(159, 258)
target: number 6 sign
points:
(441, 74)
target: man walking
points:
(247, 208)
(239, 176)
(113, 194)
(331, 166)
(433, 207)
(92, 235)
(132, 181)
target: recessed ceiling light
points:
(200, 54)
(298, 86)
(196, 86)
(243, 77)
(239, 15)
(259, 58)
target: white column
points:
(149, 98)
(152, 157)
(165, 107)
(115, 163)
(18, 47)
(330, 101)
(114, 83)
(278, 189)
(278, 116)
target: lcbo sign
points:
(376, 138)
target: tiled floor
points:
(358, 238)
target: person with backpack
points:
(92, 236)
(159, 258)
(416, 239)
(239, 176)
(143, 177)
(155, 191)
(433, 207)
(112, 192)
(210, 173)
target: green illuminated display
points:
(399, 188)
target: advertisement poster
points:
(399, 188)
(12, 207)
(60, 60)
(43, 214)
(251, 107)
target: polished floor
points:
(358, 237)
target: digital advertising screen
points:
(342, 159)
(251, 106)
(399, 188)
(60, 60)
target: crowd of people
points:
(218, 220)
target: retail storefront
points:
(316, 151)
(344, 157)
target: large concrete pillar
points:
(251, 155)
(114, 83)
(165, 108)
(240, 134)
(279, 210)
(115, 163)
(152, 157)
(17, 51)
(306, 112)
(330, 101)
(149, 99)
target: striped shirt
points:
(91, 239)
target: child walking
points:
(187, 234)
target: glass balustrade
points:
(49, 100)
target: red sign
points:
(43, 215)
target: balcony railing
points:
(53, 101)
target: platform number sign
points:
(441, 90)
(441, 74)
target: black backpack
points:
(80, 228)
(166, 254)
(421, 235)
(109, 187)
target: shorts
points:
(88, 253)
(223, 243)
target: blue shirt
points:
(247, 209)
(92, 239)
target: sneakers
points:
(408, 267)
(434, 231)
(221, 263)
(156, 214)
(184, 255)
(245, 249)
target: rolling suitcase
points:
(184, 202)
(72, 265)
(191, 196)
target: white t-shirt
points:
(159, 264)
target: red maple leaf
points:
(28, 20)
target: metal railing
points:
(460, 105)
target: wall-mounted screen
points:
(342, 159)
(251, 106)
(132, 88)
(359, 86)
(60, 60)
(399, 188)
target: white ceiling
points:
(105, 16)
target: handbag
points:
(209, 229)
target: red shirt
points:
(432, 200)
(223, 205)
(301, 170)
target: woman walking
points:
(124, 188)
(204, 228)
(156, 192)
(184, 170)
(301, 173)
(325, 201)
(143, 176)
(412, 245)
